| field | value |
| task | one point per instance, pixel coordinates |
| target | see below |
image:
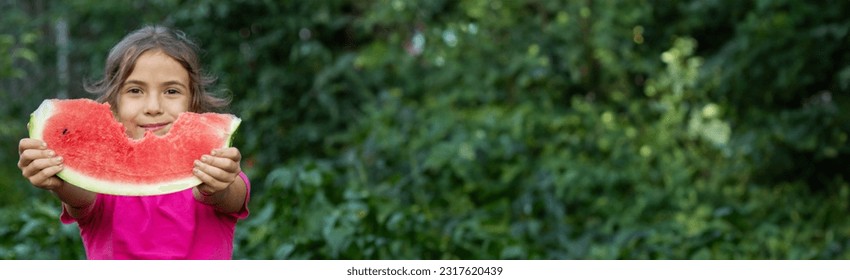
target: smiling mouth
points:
(153, 127)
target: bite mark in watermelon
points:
(99, 157)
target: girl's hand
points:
(39, 164)
(218, 171)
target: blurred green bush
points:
(490, 129)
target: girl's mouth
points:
(154, 126)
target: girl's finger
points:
(212, 176)
(231, 153)
(29, 155)
(204, 190)
(204, 177)
(46, 177)
(222, 163)
(38, 165)
(30, 144)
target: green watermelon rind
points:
(38, 120)
(114, 188)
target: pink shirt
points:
(171, 226)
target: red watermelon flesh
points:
(98, 155)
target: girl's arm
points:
(40, 165)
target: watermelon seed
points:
(64, 131)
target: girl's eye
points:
(172, 91)
(134, 91)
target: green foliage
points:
(499, 129)
(18, 39)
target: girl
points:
(151, 76)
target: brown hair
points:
(122, 60)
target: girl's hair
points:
(122, 59)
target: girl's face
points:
(154, 94)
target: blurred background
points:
(485, 129)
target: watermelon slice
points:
(98, 155)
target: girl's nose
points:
(152, 105)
